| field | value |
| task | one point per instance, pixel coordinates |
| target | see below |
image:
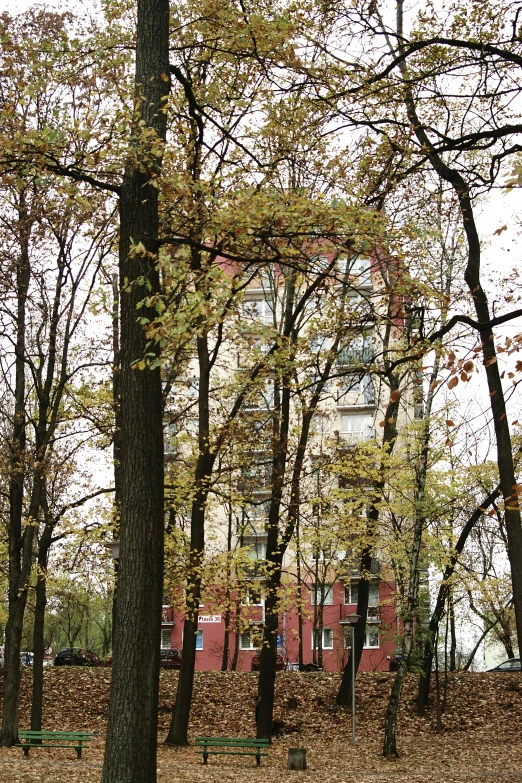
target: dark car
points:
(280, 663)
(513, 665)
(76, 656)
(170, 659)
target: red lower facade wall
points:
(380, 638)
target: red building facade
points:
(338, 601)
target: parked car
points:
(512, 665)
(280, 663)
(310, 667)
(170, 659)
(76, 656)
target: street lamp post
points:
(353, 619)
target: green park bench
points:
(53, 739)
(238, 746)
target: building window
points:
(259, 310)
(253, 597)
(165, 638)
(371, 639)
(325, 635)
(358, 426)
(251, 639)
(351, 593)
(357, 352)
(199, 640)
(321, 595)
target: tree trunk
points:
(390, 733)
(39, 625)
(268, 656)
(235, 655)
(116, 443)
(344, 694)
(130, 753)
(19, 543)
(178, 731)
(453, 635)
(424, 679)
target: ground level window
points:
(199, 640)
(322, 637)
(371, 639)
(165, 638)
(251, 639)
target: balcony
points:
(372, 618)
(253, 569)
(255, 479)
(353, 439)
(352, 569)
(356, 354)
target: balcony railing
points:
(355, 438)
(373, 617)
(352, 568)
(354, 355)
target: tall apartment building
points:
(337, 340)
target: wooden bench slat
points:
(258, 746)
(77, 740)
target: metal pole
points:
(353, 685)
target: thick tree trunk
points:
(116, 443)
(19, 543)
(130, 753)
(268, 656)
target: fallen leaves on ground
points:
(481, 738)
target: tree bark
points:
(19, 542)
(130, 753)
(39, 625)
(178, 731)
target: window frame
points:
(322, 631)
(355, 583)
(366, 646)
(326, 589)
(252, 646)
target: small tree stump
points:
(296, 758)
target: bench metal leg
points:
(79, 752)
(26, 750)
(258, 759)
(205, 758)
